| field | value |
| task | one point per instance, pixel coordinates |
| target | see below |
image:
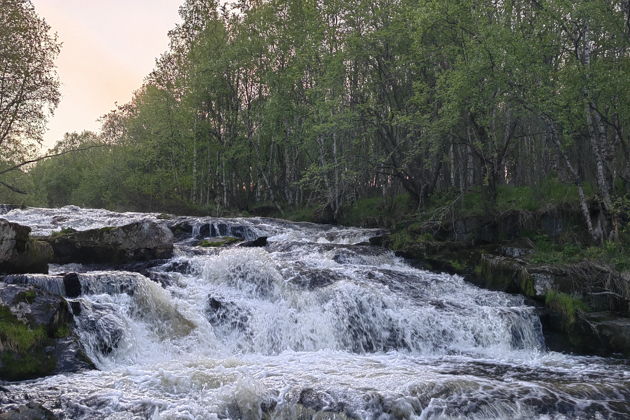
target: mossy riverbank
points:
(543, 253)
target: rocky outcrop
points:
(139, 241)
(586, 305)
(36, 334)
(19, 253)
(30, 411)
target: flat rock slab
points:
(139, 241)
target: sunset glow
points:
(108, 49)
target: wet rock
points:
(107, 328)
(226, 314)
(519, 248)
(320, 401)
(72, 285)
(57, 220)
(613, 332)
(163, 279)
(36, 334)
(598, 286)
(181, 230)
(506, 274)
(378, 240)
(312, 278)
(259, 242)
(30, 411)
(178, 266)
(19, 253)
(142, 241)
(449, 257)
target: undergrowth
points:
(615, 254)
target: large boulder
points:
(139, 241)
(37, 335)
(19, 253)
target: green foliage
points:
(362, 112)
(27, 296)
(63, 331)
(566, 305)
(376, 211)
(29, 91)
(478, 270)
(457, 265)
(611, 253)
(409, 239)
(25, 366)
(62, 232)
(218, 242)
(303, 214)
(16, 335)
(549, 193)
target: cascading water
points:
(311, 326)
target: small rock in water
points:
(30, 411)
(259, 242)
(72, 285)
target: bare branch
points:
(27, 162)
(12, 188)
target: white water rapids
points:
(310, 326)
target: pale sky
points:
(109, 46)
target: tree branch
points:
(19, 165)
(12, 188)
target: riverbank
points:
(582, 292)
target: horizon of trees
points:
(320, 103)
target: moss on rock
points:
(566, 305)
(36, 334)
(218, 242)
(505, 274)
(16, 335)
(22, 347)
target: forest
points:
(335, 110)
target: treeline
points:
(320, 103)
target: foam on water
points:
(309, 327)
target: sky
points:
(109, 46)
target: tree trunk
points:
(578, 182)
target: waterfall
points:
(314, 325)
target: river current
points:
(316, 324)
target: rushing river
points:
(314, 325)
